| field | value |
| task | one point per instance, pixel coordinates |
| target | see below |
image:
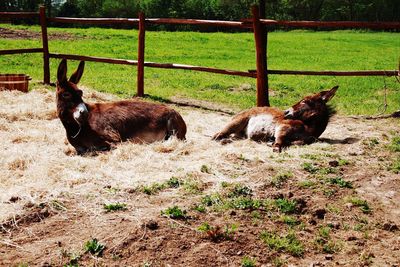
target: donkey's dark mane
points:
(331, 111)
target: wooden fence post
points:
(140, 65)
(46, 61)
(260, 36)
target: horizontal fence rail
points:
(154, 64)
(199, 22)
(257, 24)
(95, 21)
(332, 24)
(334, 73)
(18, 15)
(21, 51)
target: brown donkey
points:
(301, 124)
(97, 126)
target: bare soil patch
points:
(27, 34)
(195, 203)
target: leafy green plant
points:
(309, 167)
(248, 261)
(152, 189)
(204, 227)
(216, 233)
(191, 185)
(340, 182)
(244, 203)
(279, 262)
(239, 190)
(94, 247)
(290, 220)
(205, 169)
(200, 208)
(306, 184)
(175, 213)
(363, 204)
(174, 182)
(285, 205)
(343, 162)
(279, 179)
(395, 166)
(395, 144)
(114, 206)
(287, 243)
(155, 188)
(213, 199)
(371, 142)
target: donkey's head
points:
(312, 107)
(70, 105)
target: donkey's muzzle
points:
(288, 114)
(81, 113)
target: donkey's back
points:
(135, 120)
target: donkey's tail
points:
(176, 126)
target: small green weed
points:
(309, 167)
(200, 208)
(340, 182)
(216, 233)
(324, 232)
(279, 262)
(211, 200)
(327, 170)
(371, 142)
(395, 144)
(363, 204)
(114, 206)
(324, 241)
(395, 166)
(57, 205)
(244, 203)
(288, 243)
(290, 220)
(248, 261)
(152, 189)
(286, 206)
(192, 185)
(205, 169)
(94, 247)
(173, 182)
(343, 162)
(225, 184)
(329, 192)
(155, 188)
(256, 215)
(310, 156)
(279, 179)
(240, 190)
(73, 258)
(306, 184)
(175, 213)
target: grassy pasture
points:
(297, 50)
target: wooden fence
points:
(258, 25)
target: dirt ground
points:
(237, 197)
(26, 34)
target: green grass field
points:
(295, 50)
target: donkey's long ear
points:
(62, 71)
(77, 75)
(327, 95)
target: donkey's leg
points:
(236, 126)
(290, 132)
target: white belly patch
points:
(261, 127)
